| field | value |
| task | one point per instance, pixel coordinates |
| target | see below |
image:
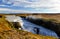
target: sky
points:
(29, 6)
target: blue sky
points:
(29, 6)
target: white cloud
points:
(45, 3)
(48, 5)
(6, 10)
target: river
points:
(36, 29)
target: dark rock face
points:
(47, 24)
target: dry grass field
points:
(55, 17)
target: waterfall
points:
(30, 27)
(13, 18)
(19, 19)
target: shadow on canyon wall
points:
(47, 24)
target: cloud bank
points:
(30, 6)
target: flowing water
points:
(30, 27)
